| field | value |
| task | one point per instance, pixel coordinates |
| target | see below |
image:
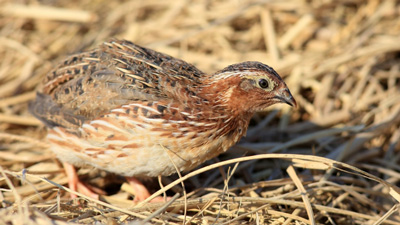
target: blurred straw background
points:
(340, 58)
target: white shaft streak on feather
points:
(191, 116)
(123, 70)
(120, 61)
(198, 124)
(73, 66)
(134, 122)
(117, 44)
(227, 120)
(140, 60)
(118, 110)
(146, 83)
(124, 53)
(56, 80)
(175, 134)
(185, 113)
(218, 117)
(222, 128)
(137, 77)
(116, 142)
(145, 107)
(151, 120)
(91, 59)
(58, 137)
(169, 106)
(108, 125)
(87, 128)
(185, 129)
(177, 121)
(209, 124)
(227, 95)
(138, 124)
(132, 48)
(61, 136)
(108, 43)
(218, 106)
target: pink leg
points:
(75, 184)
(141, 192)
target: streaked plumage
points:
(131, 110)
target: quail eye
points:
(263, 83)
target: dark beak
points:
(286, 97)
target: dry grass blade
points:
(80, 195)
(245, 215)
(303, 192)
(49, 13)
(30, 121)
(387, 215)
(160, 210)
(394, 191)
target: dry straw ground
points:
(340, 58)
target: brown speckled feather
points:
(89, 84)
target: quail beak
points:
(286, 97)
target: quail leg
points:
(76, 185)
(141, 192)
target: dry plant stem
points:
(213, 24)
(26, 70)
(83, 196)
(159, 178)
(204, 208)
(17, 197)
(244, 215)
(269, 34)
(317, 163)
(292, 216)
(13, 137)
(179, 204)
(226, 187)
(371, 132)
(161, 209)
(242, 200)
(293, 32)
(31, 121)
(316, 135)
(182, 183)
(316, 207)
(17, 99)
(394, 209)
(363, 52)
(349, 191)
(292, 173)
(305, 138)
(49, 13)
(18, 46)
